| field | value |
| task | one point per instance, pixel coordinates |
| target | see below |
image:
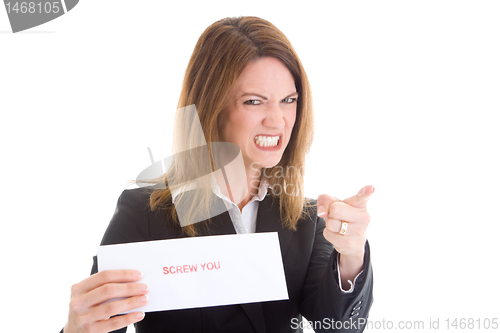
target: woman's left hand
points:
(353, 212)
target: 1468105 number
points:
(32, 7)
(471, 323)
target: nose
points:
(274, 117)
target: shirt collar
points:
(261, 193)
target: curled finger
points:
(116, 307)
(115, 290)
(118, 322)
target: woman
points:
(249, 89)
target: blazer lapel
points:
(219, 225)
(255, 313)
(269, 220)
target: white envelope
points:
(203, 271)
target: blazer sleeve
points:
(129, 224)
(323, 298)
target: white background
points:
(406, 99)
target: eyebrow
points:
(265, 98)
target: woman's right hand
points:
(87, 313)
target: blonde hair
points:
(219, 57)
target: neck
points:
(253, 183)
(239, 187)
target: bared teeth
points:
(267, 141)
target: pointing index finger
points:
(361, 198)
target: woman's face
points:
(261, 112)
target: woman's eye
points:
(289, 100)
(252, 102)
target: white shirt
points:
(245, 221)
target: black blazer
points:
(309, 262)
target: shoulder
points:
(140, 197)
(310, 205)
(309, 209)
(131, 219)
(309, 218)
(135, 195)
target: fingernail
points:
(321, 211)
(139, 315)
(137, 274)
(361, 191)
(143, 288)
(143, 299)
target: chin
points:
(269, 164)
(255, 165)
